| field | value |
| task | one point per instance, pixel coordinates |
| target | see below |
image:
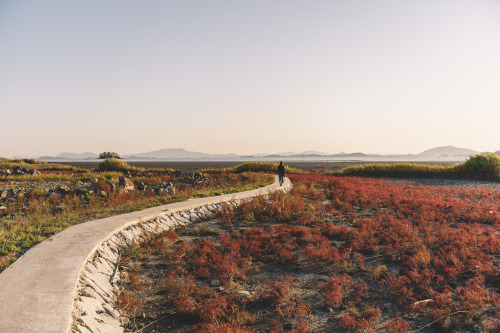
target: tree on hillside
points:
(109, 154)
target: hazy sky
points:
(253, 76)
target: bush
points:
(113, 164)
(482, 166)
(108, 154)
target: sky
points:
(372, 76)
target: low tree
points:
(109, 154)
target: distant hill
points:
(178, 153)
(447, 151)
(77, 156)
(497, 152)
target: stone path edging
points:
(38, 291)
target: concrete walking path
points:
(37, 291)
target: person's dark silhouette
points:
(281, 172)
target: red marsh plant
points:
(428, 253)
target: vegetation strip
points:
(38, 200)
(484, 166)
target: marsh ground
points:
(337, 254)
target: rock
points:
(63, 190)
(122, 191)
(59, 210)
(83, 190)
(126, 183)
(162, 191)
(34, 172)
(112, 187)
(163, 184)
(8, 172)
(141, 186)
(103, 194)
(55, 196)
(3, 210)
(243, 293)
(16, 169)
(171, 190)
(94, 181)
(214, 283)
(3, 195)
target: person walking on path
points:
(281, 172)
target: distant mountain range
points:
(449, 152)
(179, 153)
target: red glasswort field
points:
(336, 254)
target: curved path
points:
(37, 291)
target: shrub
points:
(108, 154)
(128, 304)
(278, 292)
(291, 316)
(335, 289)
(370, 318)
(482, 166)
(397, 325)
(113, 164)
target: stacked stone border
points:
(98, 279)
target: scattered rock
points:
(55, 196)
(126, 183)
(243, 293)
(94, 181)
(103, 194)
(214, 283)
(62, 190)
(171, 190)
(83, 190)
(59, 210)
(162, 191)
(112, 187)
